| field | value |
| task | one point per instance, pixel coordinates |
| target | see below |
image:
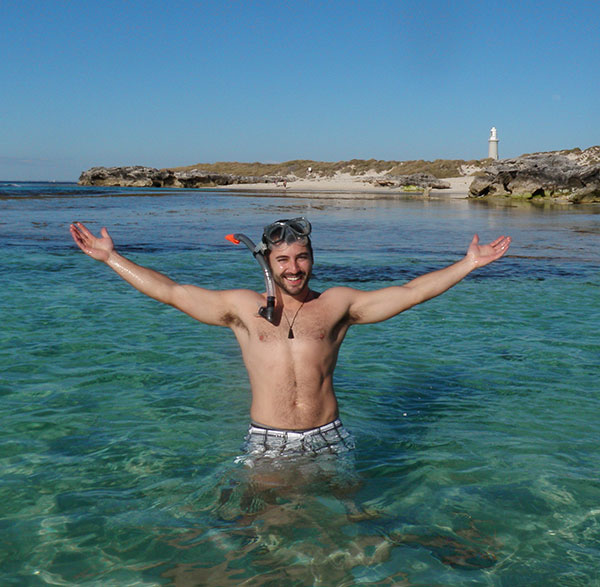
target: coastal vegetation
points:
(304, 168)
(440, 168)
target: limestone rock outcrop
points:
(140, 176)
(414, 180)
(547, 176)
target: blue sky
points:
(176, 83)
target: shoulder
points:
(218, 307)
(225, 294)
(339, 304)
(241, 301)
(241, 295)
(339, 298)
(354, 304)
(339, 294)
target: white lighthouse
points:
(493, 144)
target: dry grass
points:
(440, 168)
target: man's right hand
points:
(205, 305)
(97, 248)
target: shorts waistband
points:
(282, 433)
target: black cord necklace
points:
(291, 324)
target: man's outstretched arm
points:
(202, 304)
(375, 306)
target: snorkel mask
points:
(286, 231)
(281, 231)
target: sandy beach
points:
(350, 185)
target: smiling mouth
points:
(294, 278)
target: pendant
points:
(291, 333)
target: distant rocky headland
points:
(569, 176)
(149, 177)
(561, 176)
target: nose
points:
(293, 266)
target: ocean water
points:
(475, 415)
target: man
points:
(291, 359)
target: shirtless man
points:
(291, 360)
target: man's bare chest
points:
(309, 327)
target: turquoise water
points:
(475, 416)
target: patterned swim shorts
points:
(330, 438)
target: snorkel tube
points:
(267, 311)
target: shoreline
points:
(337, 186)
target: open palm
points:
(97, 248)
(483, 254)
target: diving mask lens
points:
(275, 233)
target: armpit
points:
(351, 317)
(342, 325)
(232, 321)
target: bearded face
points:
(291, 265)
